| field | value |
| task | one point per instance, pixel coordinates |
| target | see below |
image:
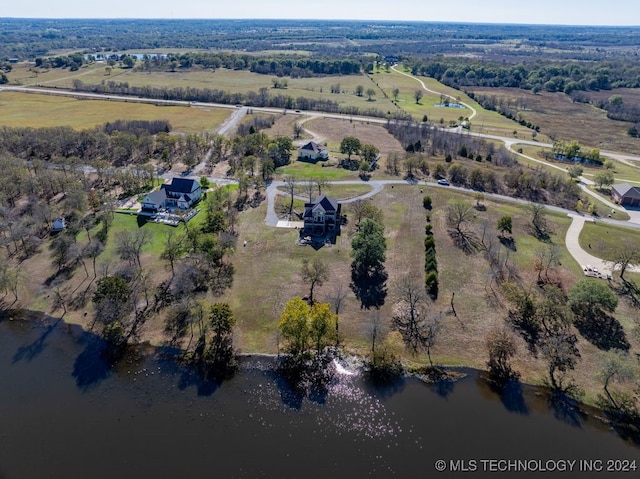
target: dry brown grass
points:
(562, 119)
(335, 130)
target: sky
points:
(564, 12)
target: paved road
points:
(583, 257)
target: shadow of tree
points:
(565, 408)
(630, 290)
(370, 287)
(465, 240)
(30, 351)
(511, 395)
(508, 243)
(92, 365)
(298, 378)
(603, 331)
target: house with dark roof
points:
(322, 216)
(313, 151)
(626, 195)
(182, 193)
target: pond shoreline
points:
(356, 365)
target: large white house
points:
(181, 193)
(313, 151)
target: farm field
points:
(39, 111)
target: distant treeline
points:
(261, 98)
(564, 77)
(291, 65)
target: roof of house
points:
(314, 147)
(181, 185)
(326, 203)
(59, 224)
(156, 197)
(626, 190)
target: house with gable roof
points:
(626, 195)
(182, 193)
(322, 216)
(313, 151)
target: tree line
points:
(261, 98)
(567, 77)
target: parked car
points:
(443, 182)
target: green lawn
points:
(305, 170)
(605, 239)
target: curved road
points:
(580, 255)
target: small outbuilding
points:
(626, 195)
(59, 224)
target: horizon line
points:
(338, 20)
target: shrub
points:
(426, 202)
(431, 284)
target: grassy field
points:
(268, 274)
(602, 240)
(488, 122)
(560, 118)
(37, 111)
(240, 81)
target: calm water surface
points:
(64, 414)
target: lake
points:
(65, 414)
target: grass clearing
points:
(603, 240)
(21, 110)
(558, 116)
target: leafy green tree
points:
(369, 152)
(322, 325)
(575, 171)
(294, 325)
(505, 225)
(591, 298)
(369, 246)
(359, 90)
(221, 322)
(604, 178)
(350, 146)
(300, 324)
(370, 94)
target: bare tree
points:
(418, 96)
(310, 186)
(173, 249)
(320, 183)
(297, 129)
(315, 273)
(419, 329)
(376, 329)
(538, 220)
(336, 298)
(290, 185)
(545, 259)
(624, 257)
(129, 245)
